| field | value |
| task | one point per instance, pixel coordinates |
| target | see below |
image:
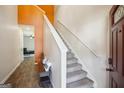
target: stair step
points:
(83, 83)
(76, 75)
(72, 60)
(74, 67)
(69, 51)
(70, 55)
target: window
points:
(119, 13)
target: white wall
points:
(10, 41)
(91, 25)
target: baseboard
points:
(10, 73)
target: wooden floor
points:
(26, 75)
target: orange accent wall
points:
(49, 9)
(30, 15)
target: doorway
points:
(27, 41)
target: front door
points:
(116, 60)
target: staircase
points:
(76, 76)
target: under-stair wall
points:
(55, 51)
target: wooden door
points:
(116, 60)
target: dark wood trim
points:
(123, 49)
(113, 10)
(111, 16)
(111, 22)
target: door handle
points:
(110, 61)
(109, 69)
